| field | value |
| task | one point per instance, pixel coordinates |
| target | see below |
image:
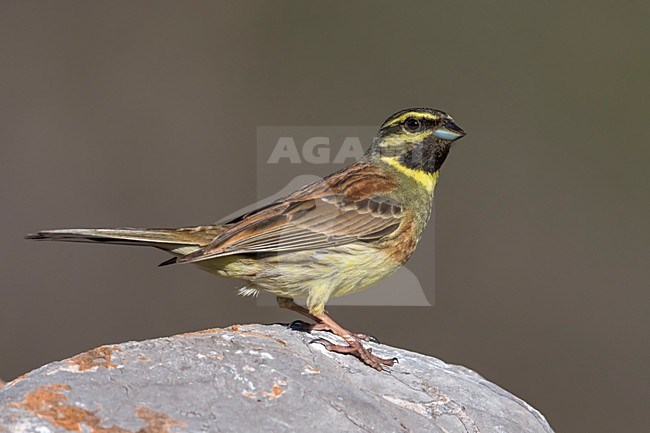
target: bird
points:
(333, 237)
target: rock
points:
(255, 378)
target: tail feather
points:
(166, 239)
(169, 262)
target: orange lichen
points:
(249, 394)
(99, 357)
(202, 332)
(234, 329)
(51, 404)
(157, 422)
(16, 380)
(237, 329)
(276, 390)
(281, 342)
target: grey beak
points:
(449, 131)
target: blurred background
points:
(145, 114)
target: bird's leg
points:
(354, 346)
(319, 325)
(290, 304)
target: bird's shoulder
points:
(358, 185)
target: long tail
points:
(177, 241)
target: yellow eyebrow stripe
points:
(426, 179)
(414, 114)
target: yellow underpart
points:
(426, 179)
(413, 114)
(315, 274)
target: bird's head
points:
(417, 139)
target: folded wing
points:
(348, 206)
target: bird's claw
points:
(299, 325)
(355, 348)
(322, 341)
(367, 338)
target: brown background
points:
(145, 114)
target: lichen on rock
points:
(256, 378)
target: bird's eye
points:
(412, 124)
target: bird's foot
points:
(299, 325)
(355, 348)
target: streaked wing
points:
(348, 206)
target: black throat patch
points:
(428, 156)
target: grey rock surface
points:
(255, 378)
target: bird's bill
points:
(449, 131)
